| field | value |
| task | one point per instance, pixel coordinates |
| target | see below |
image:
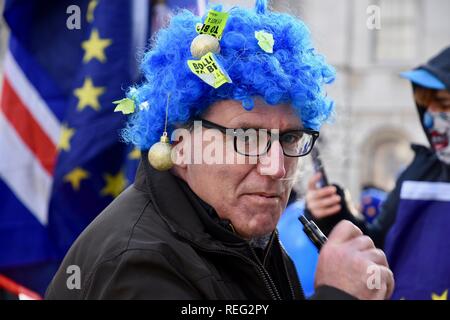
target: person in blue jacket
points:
(415, 218)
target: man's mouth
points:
(439, 140)
(267, 195)
(263, 197)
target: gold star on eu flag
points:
(65, 137)
(442, 296)
(95, 47)
(88, 95)
(135, 154)
(75, 177)
(114, 184)
(90, 12)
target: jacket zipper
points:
(261, 270)
(268, 279)
(289, 280)
(275, 235)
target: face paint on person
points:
(436, 120)
(438, 127)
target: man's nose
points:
(272, 163)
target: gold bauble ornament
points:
(204, 43)
(160, 153)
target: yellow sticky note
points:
(209, 70)
(214, 24)
(126, 106)
(265, 41)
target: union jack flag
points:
(62, 161)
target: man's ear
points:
(181, 150)
(179, 168)
(179, 154)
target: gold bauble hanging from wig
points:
(204, 43)
(160, 153)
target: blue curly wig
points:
(294, 73)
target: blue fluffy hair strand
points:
(294, 73)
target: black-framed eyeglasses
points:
(254, 142)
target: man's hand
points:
(349, 261)
(322, 202)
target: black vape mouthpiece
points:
(313, 232)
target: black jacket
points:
(157, 240)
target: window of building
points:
(397, 39)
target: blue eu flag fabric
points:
(66, 62)
(418, 245)
(62, 159)
(91, 162)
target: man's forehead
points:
(263, 120)
(231, 113)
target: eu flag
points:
(62, 161)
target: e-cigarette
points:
(313, 232)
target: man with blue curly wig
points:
(229, 104)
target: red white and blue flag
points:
(61, 158)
